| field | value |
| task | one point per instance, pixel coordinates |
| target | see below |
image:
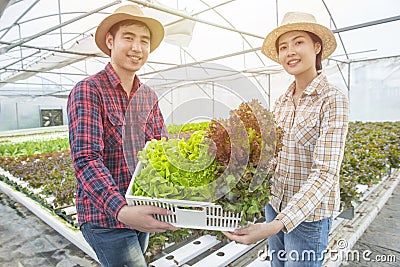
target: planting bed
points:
(40, 173)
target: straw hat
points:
(129, 12)
(298, 21)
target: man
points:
(96, 109)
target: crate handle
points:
(196, 209)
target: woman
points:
(314, 116)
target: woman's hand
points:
(255, 232)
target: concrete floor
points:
(27, 241)
(381, 240)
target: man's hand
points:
(255, 232)
(141, 218)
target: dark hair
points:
(114, 28)
(315, 38)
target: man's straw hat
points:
(132, 12)
(298, 21)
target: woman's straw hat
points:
(298, 21)
(132, 12)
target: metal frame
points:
(9, 46)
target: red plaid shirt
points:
(103, 124)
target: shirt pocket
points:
(113, 132)
(306, 130)
(282, 121)
(134, 129)
(147, 126)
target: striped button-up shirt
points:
(305, 186)
(106, 129)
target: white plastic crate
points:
(187, 213)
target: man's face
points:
(130, 47)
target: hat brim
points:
(326, 35)
(155, 27)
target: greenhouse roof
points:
(46, 46)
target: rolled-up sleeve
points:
(326, 161)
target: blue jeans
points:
(305, 246)
(116, 247)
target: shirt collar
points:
(112, 75)
(115, 80)
(315, 87)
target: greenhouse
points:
(209, 74)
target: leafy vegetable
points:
(232, 170)
(176, 169)
(246, 144)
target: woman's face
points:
(297, 52)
